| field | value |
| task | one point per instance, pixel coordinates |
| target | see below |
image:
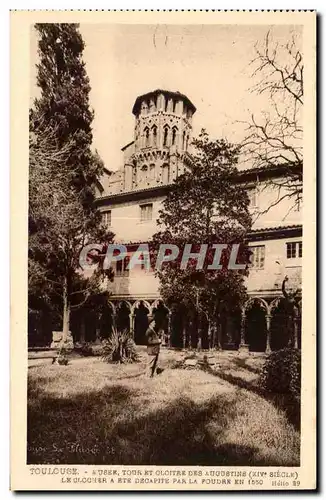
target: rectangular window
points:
(121, 267)
(294, 249)
(253, 198)
(145, 262)
(106, 218)
(257, 258)
(146, 212)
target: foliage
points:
(276, 137)
(205, 206)
(64, 102)
(282, 372)
(119, 348)
(64, 173)
(62, 358)
(86, 349)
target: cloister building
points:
(130, 199)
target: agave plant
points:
(119, 348)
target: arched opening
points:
(152, 171)
(174, 135)
(161, 317)
(123, 317)
(106, 321)
(177, 325)
(90, 324)
(282, 327)
(230, 326)
(40, 327)
(191, 328)
(255, 327)
(144, 173)
(141, 323)
(166, 173)
(154, 136)
(203, 331)
(152, 105)
(146, 135)
(165, 136)
(183, 140)
(144, 108)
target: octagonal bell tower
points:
(163, 129)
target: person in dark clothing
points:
(153, 346)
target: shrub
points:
(281, 372)
(86, 349)
(119, 348)
(62, 358)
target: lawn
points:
(96, 413)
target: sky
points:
(208, 63)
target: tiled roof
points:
(141, 190)
(276, 228)
(247, 173)
(253, 231)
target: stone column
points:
(268, 334)
(213, 334)
(131, 323)
(184, 336)
(219, 335)
(97, 336)
(199, 343)
(209, 334)
(199, 326)
(114, 318)
(169, 328)
(243, 347)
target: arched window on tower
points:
(165, 173)
(187, 141)
(154, 136)
(144, 108)
(151, 105)
(166, 103)
(166, 136)
(174, 105)
(144, 173)
(152, 171)
(183, 139)
(146, 134)
(174, 135)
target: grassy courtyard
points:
(96, 413)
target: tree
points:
(292, 301)
(276, 138)
(205, 206)
(63, 174)
(63, 106)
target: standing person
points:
(153, 346)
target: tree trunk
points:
(219, 332)
(66, 313)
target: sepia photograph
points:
(165, 293)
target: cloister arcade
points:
(263, 325)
